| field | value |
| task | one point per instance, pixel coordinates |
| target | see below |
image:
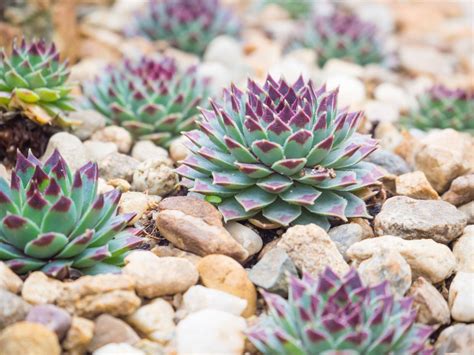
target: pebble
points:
(90, 296)
(70, 147)
(389, 138)
(335, 66)
(143, 150)
(424, 59)
(117, 166)
(245, 236)
(41, 289)
(155, 176)
(97, 150)
(433, 261)
(272, 271)
(9, 280)
(415, 185)
(420, 219)
(149, 347)
(351, 90)
(199, 297)
(394, 95)
(154, 320)
(211, 332)
(178, 150)
(379, 111)
(391, 162)
(225, 50)
(51, 316)
(108, 330)
(79, 335)
(12, 308)
(117, 135)
(456, 339)
(461, 190)
(312, 250)
(432, 308)
(461, 296)
(468, 211)
(219, 77)
(118, 348)
(387, 265)
(137, 202)
(27, 338)
(223, 273)
(193, 206)
(170, 250)
(345, 235)
(463, 250)
(91, 122)
(155, 276)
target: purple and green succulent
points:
(149, 97)
(34, 81)
(285, 152)
(188, 25)
(343, 36)
(329, 315)
(441, 107)
(53, 220)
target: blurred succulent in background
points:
(149, 98)
(188, 25)
(441, 107)
(295, 8)
(285, 151)
(343, 36)
(332, 314)
(53, 220)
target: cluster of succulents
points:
(149, 98)
(330, 314)
(54, 221)
(186, 24)
(33, 81)
(344, 36)
(295, 8)
(283, 151)
(441, 107)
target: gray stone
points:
(420, 219)
(345, 235)
(12, 308)
(117, 166)
(155, 176)
(461, 190)
(91, 121)
(109, 330)
(468, 211)
(51, 316)
(271, 272)
(143, 150)
(115, 134)
(70, 147)
(391, 162)
(456, 339)
(96, 150)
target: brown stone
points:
(193, 207)
(461, 190)
(415, 185)
(79, 335)
(109, 330)
(9, 280)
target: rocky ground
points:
(194, 285)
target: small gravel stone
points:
(27, 338)
(155, 176)
(96, 150)
(178, 150)
(272, 271)
(391, 162)
(211, 332)
(345, 235)
(246, 237)
(415, 185)
(461, 296)
(155, 320)
(223, 273)
(137, 202)
(463, 250)
(194, 207)
(388, 265)
(432, 308)
(118, 135)
(143, 150)
(312, 250)
(12, 308)
(420, 219)
(79, 335)
(91, 121)
(468, 211)
(70, 147)
(456, 339)
(351, 90)
(117, 166)
(461, 190)
(9, 280)
(55, 318)
(41, 289)
(110, 330)
(118, 348)
(156, 276)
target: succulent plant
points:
(188, 25)
(295, 8)
(441, 107)
(149, 98)
(343, 36)
(285, 151)
(33, 80)
(53, 220)
(330, 315)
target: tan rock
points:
(225, 274)
(12, 308)
(27, 338)
(463, 250)
(456, 339)
(155, 176)
(415, 185)
(432, 308)
(461, 190)
(90, 296)
(114, 134)
(193, 207)
(468, 211)
(178, 150)
(431, 260)
(461, 296)
(41, 289)
(170, 250)
(312, 250)
(9, 280)
(79, 335)
(138, 202)
(155, 276)
(110, 330)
